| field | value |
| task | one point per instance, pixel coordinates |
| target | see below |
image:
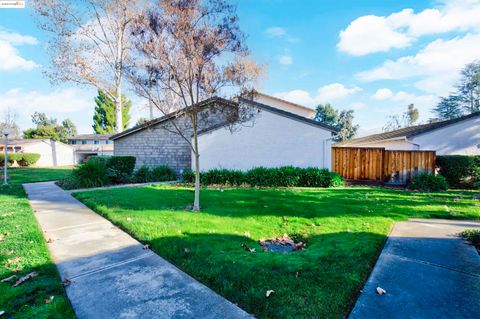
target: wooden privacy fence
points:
(380, 165)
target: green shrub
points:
(429, 182)
(27, 159)
(143, 174)
(163, 173)
(91, 174)
(472, 235)
(119, 168)
(460, 170)
(286, 176)
(11, 158)
(188, 176)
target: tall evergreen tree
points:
(469, 87)
(343, 121)
(449, 107)
(326, 114)
(104, 117)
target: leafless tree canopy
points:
(90, 42)
(191, 51)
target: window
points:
(84, 142)
(73, 142)
(96, 142)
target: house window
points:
(84, 142)
(73, 142)
(95, 142)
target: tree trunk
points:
(196, 202)
(118, 111)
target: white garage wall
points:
(462, 138)
(272, 141)
(51, 153)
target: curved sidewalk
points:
(427, 271)
(111, 274)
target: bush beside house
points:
(428, 182)
(286, 176)
(22, 159)
(459, 170)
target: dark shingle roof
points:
(406, 132)
(167, 117)
(91, 137)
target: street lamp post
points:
(6, 132)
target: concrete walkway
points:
(427, 271)
(111, 275)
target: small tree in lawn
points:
(89, 43)
(195, 51)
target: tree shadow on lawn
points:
(307, 203)
(321, 281)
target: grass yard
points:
(24, 250)
(345, 230)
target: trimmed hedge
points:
(160, 173)
(23, 159)
(460, 170)
(428, 182)
(118, 168)
(27, 159)
(286, 176)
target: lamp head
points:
(6, 132)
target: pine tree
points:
(104, 116)
(449, 107)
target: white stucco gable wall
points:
(51, 153)
(462, 138)
(273, 140)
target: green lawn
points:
(23, 250)
(345, 230)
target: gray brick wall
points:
(155, 146)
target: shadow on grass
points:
(307, 203)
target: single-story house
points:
(87, 145)
(281, 133)
(52, 153)
(460, 136)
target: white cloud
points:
(335, 91)
(325, 94)
(438, 63)
(11, 60)
(16, 38)
(276, 32)
(357, 106)
(382, 94)
(285, 60)
(9, 56)
(58, 101)
(369, 34)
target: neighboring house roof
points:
(207, 102)
(167, 117)
(406, 132)
(285, 101)
(91, 137)
(281, 113)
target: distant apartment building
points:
(87, 145)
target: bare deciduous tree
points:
(90, 42)
(195, 51)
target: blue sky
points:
(375, 57)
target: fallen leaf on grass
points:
(49, 299)
(381, 291)
(146, 246)
(2, 237)
(12, 277)
(269, 292)
(252, 250)
(13, 261)
(186, 250)
(2, 313)
(66, 282)
(247, 234)
(50, 240)
(25, 278)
